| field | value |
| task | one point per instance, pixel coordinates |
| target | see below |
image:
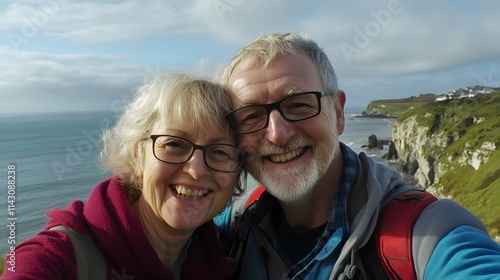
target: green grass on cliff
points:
(477, 190)
(471, 120)
(392, 108)
(397, 107)
(467, 123)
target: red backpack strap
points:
(394, 232)
(256, 193)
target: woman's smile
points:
(185, 193)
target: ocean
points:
(51, 159)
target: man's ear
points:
(339, 111)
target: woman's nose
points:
(196, 166)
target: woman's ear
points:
(139, 161)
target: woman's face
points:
(186, 195)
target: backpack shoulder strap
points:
(436, 221)
(394, 232)
(241, 229)
(90, 263)
(256, 193)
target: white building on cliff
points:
(467, 92)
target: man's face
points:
(288, 158)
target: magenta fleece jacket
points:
(110, 222)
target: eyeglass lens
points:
(298, 107)
(172, 149)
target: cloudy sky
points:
(62, 55)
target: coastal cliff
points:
(452, 149)
(392, 108)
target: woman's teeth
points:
(288, 156)
(186, 193)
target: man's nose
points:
(279, 130)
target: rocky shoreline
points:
(391, 156)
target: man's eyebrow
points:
(292, 91)
(287, 93)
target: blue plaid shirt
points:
(335, 233)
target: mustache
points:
(294, 143)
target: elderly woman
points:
(177, 165)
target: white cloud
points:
(97, 49)
(93, 22)
(44, 81)
(414, 40)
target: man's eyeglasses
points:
(294, 108)
(220, 157)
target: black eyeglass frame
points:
(195, 147)
(274, 106)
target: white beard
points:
(294, 185)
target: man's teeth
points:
(189, 193)
(288, 156)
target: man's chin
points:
(289, 185)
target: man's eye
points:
(298, 106)
(250, 117)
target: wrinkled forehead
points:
(254, 82)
